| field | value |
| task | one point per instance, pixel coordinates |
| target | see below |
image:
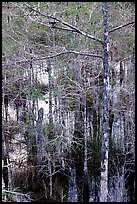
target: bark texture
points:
(105, 125)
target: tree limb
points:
(75, 52)
(16, 193)
(49, 26)
(121, 26)
(74, 29)
(57, 55)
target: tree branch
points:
(49, 26)
(74, 29)
(60, 28)
(75, 52)
(121, 26)
(17, 193)
(57, 55)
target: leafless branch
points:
(74, 29)
(75, 52)
(55, 27)
(49, 26)
(121, 26)
(57, 55)
(16, 193)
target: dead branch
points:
(121, 26)
(57, 55)
(74, 29)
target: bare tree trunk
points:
(32, 153)
(50, 180)
(78, 133)
(5, 156)
(62, 123)
(86, 182)
(105, 125)
(40, 136)
(50, 101)
(5, 149)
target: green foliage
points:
(12, 88)
(73, 46)
(71, 103)
(18, 24)
(48, 128)
(126, 42)
(71, 75)
(35, 25)
(89, 97)
(8, 196)
(39, 26)
(76, 9)
(123, 6)
(39, 37)
(12, 47)
(113, 83)
(72, 10)
(55, 92)
(35, 93)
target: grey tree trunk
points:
(40, 136)
(5, 156)
(105, 125)
(78, 133)
(31, 134)
(62, 123)
(50, 101)
(51, 134)
(86, 180)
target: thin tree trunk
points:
(50, 136)
(105, 125)
(5, 156)
(62, 123)
(50, 101)
(40, 136)
(78, 133)
(32, 155)
(5, 146)
(50, 180)
(86, 182)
